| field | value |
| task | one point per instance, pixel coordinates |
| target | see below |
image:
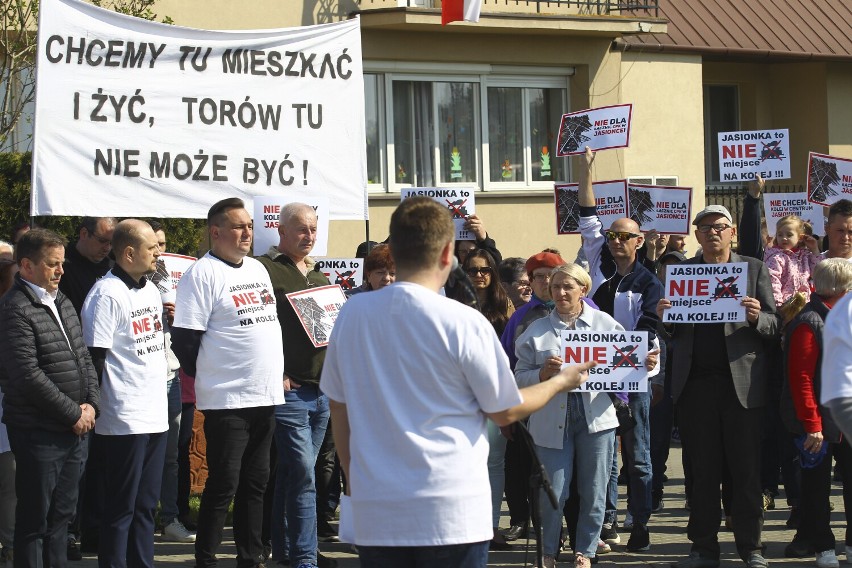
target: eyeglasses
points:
(620, 235)
(541, 277)
(474, 271)
(716, 227)
(100, 239)
(522, 283)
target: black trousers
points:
(518, 470)
(187, 419)
(719, 433)
(815, 527)
(238, 445)
(46, 482)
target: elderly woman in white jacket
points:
(576, 426)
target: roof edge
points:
(619, 44)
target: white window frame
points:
(485, 76)
(640, 180)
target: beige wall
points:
(839, 86)
(667, 135)
(257, 14)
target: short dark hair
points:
(18, 227)
(842, 208)
(33, 244)
(91, 223)
(156, 225)
(126, 235)
(379, 257)
(511, 269)
(216, 214)
(419, 230)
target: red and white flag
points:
(457, 10)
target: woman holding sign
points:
(573, 427)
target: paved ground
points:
(668, 538)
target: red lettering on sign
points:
(585, 353)
(689, 288)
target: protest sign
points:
(610, 200)
(778, 205)
(598, 128)
(348, 273)
(829, 178)
(460, 202)
(135, 118)
(317, 309)
(744, 155)
(170, 269)
(620, 357)
(706, 293)
(666, 209)
(267, 210)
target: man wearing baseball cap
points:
(718, 386)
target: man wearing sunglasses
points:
(719, 384)
(629, 292)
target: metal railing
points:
(637, 8)
(732, 196)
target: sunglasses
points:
(620, 235)
(484, 271)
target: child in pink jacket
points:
(791, 260)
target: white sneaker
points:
(827, 559)
(628, 521)
(603, 548)
(548, 561)
(176, 532)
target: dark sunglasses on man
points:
(620, 235)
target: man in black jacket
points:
(51, 398)
(88, 260)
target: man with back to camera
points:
(719, 398)
(51, 399)
(238, 370)
(415, 457)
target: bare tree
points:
(18, 53)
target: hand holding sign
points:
(572, 376)
(752, 306)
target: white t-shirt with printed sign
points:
(416, 371)
(241, 360)
(128, 323)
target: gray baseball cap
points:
(713, 210)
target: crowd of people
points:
(102, 369)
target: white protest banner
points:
(348, 273)
(170, 269)
(829, 178)
(666, 209)
(610, 201)
(136, 118)
(598, 128)
(706, 293)
(317, 309)
(460, 202)
(266, 212)
(778, 205)
(744, 155)
(620, 357)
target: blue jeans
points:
(591, 453)
(169, 492)
(496, 470)
(300, 425)
(636, 449)
(474, 555)
(637, 454)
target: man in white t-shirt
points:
(226, 334)
(122, 326)
(411, 377)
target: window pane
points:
(505, 134)
(374, 154)
(545, 113)
(412, 132)
(457, 110)
(722, 115)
